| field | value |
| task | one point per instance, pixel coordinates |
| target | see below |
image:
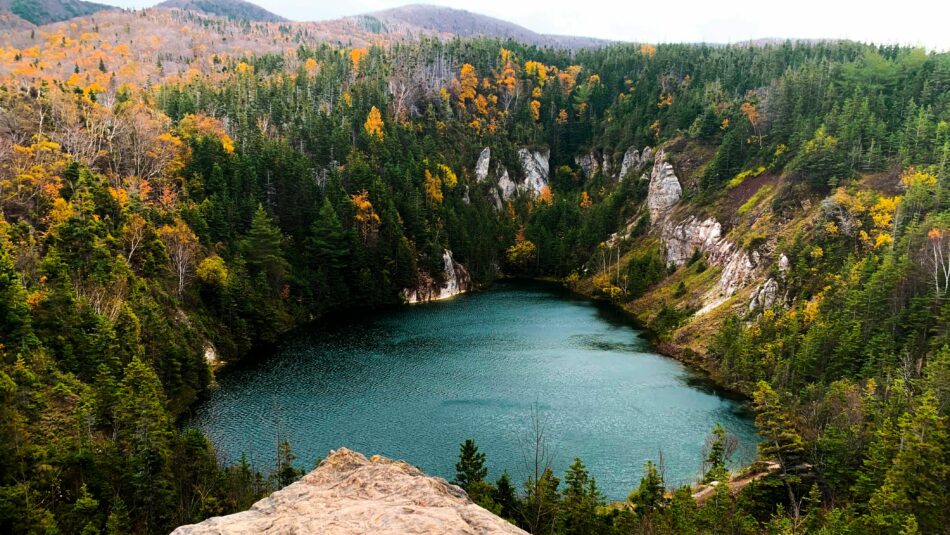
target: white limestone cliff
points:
(665, 190)
(535, 166)
(481, 167)
(634, 161)
(684, 236)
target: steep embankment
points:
(349, 494)
(717, 261)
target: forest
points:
(147, 226)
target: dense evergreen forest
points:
(146, 228)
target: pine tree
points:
(916, 483)
(286, 473)
(781, 441)
(542, 502)
(716, 459)
(328, 253)
(471, 466)
(144, 433)
(650, 496)
(504, 495)
(580, 502)
(263, 248)
(118, 522)
(15, 324)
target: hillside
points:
(420, 19)
(41, 12)
(231, 9)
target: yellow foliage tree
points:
(374, 124)
(433, 187)
(449, 178)
(200, 125)
(356, 57)
(367, 220)
(467, 84)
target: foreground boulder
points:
(350, 494)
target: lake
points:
(413, 382)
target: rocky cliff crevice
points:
(348, 494)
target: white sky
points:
(910, 22)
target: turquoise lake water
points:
(413, 382)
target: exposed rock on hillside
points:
(481, 167)
(589, 163)
(665, 190)
(692, 234)
(506, 186)
(350, 494)
(634, 161)
(765, 295)
(457, 281)
(535, 165)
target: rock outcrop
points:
(692, 234)
(506, 186)
(589, 163)
(535, 165)
(457, 281)
(765, 295)
(665, 190)
(705, 236)
(634, 161)
(481, 166)
(349, 494)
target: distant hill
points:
(232, 9)
(41, 12)
(447, 21)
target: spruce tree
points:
(471, 466)
(650, 496)
(504, 495)
(580, 501)
(263, 248)
(716, 459)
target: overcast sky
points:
(914, 22)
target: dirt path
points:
(736, 483)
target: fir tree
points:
(471, 466)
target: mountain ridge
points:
(464, 23)
(40, 12)
(232, 9)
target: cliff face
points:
(457, 281)
(350, 494)
(535, 166)
(682, 237)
